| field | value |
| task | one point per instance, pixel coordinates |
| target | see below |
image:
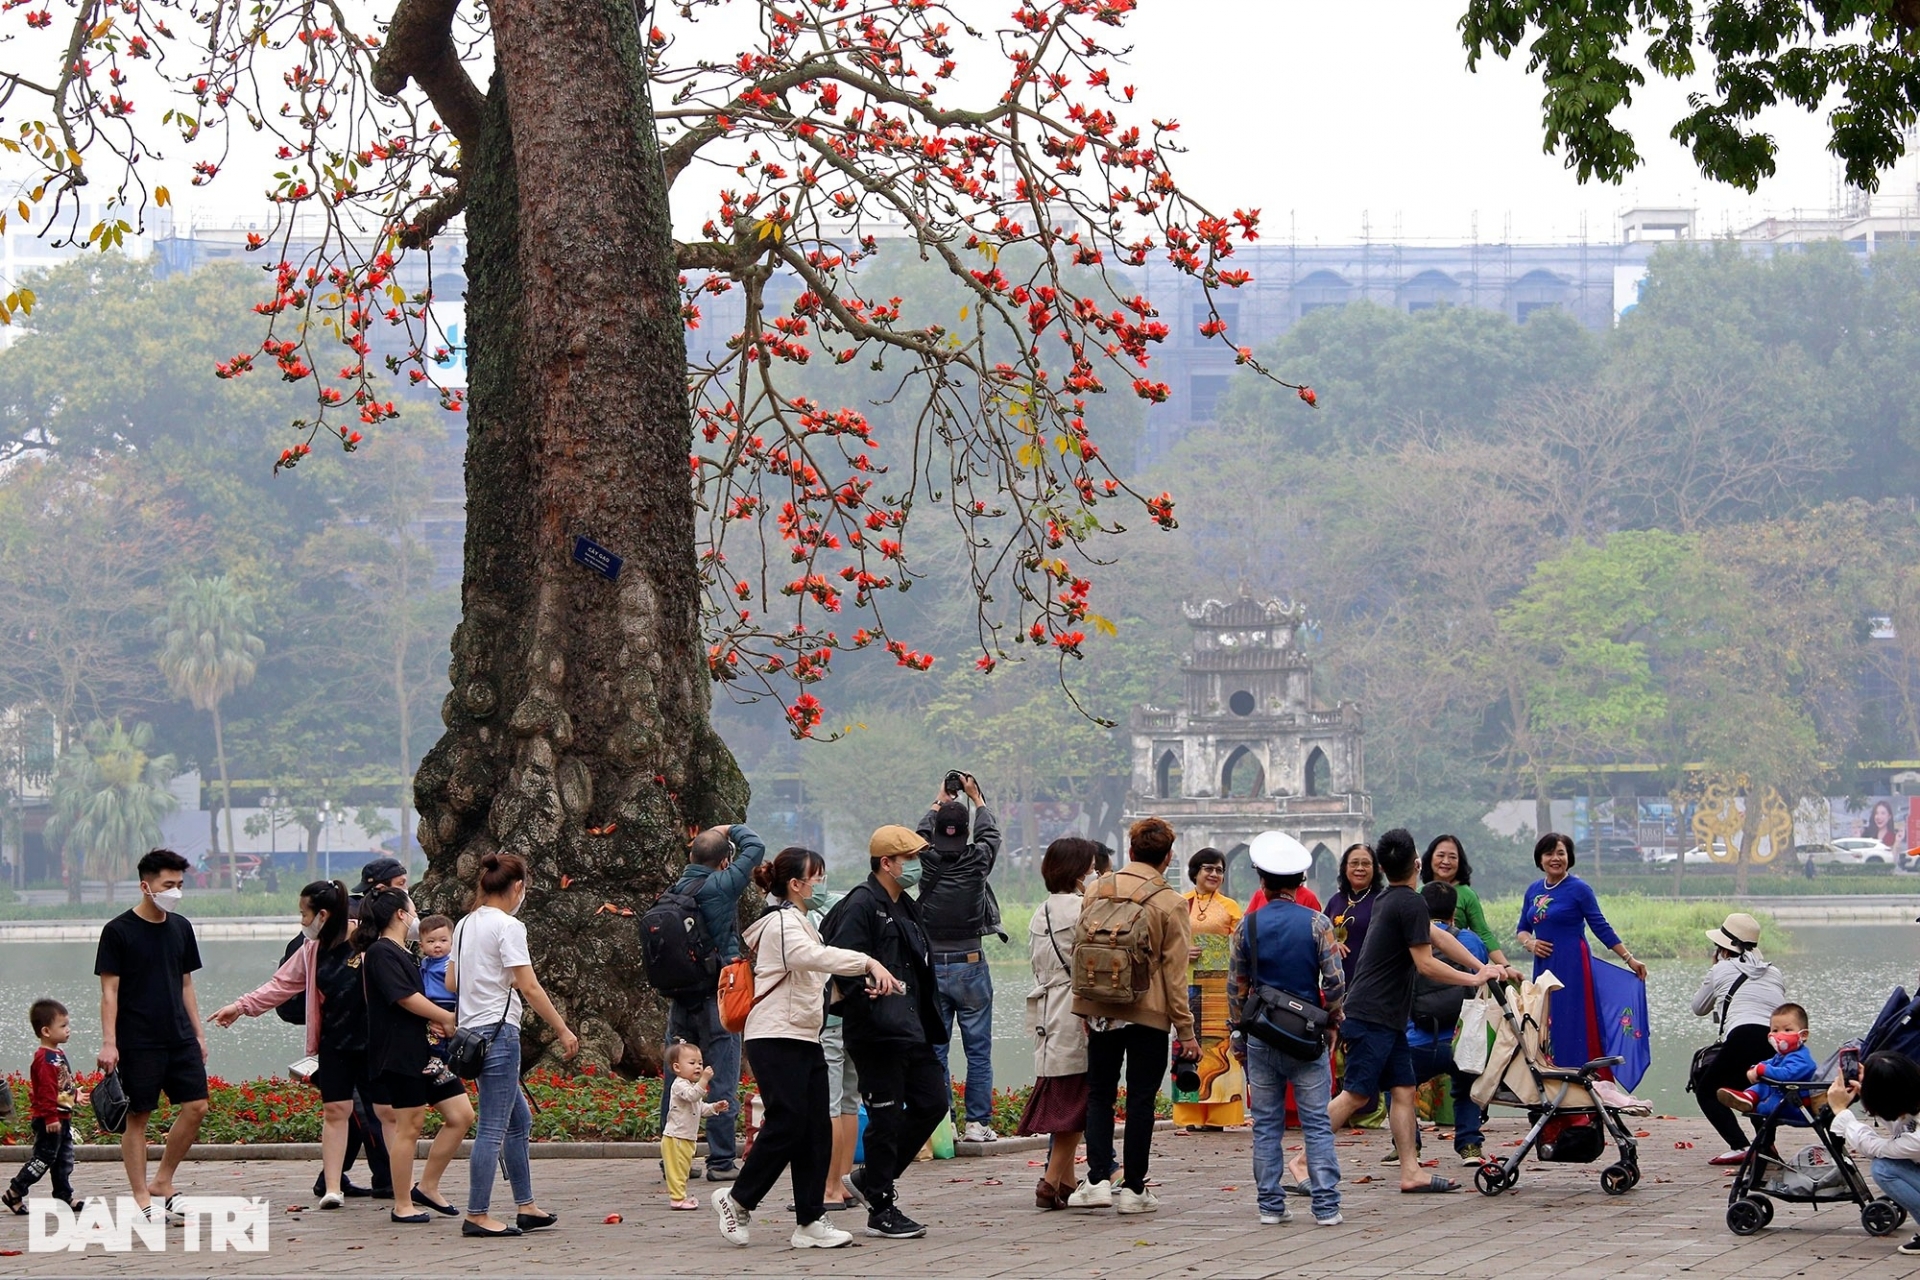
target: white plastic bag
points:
(1473, 1039)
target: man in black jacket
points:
(890, 1038)
(958, 908)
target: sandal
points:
(1436, 1185)
(16, 1204)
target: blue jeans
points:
(1268, 1071)
(720, 1049)
(504, 1128)
(1436, 1059)
(966, 990)
(1900, 1181)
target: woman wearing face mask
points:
(1058, 1104)
(782, 1043)
(1740, 991)
(491, 970)
(327, 971)
(398, 1014)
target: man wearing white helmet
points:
(1284, 957)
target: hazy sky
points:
(1322, 113)
(1339, 109)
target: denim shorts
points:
(1377, 1058)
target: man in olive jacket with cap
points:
(890, 1038)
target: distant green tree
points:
(208, 650)
(109, 795)
(1862, 56)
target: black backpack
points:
(294, 1008)
(679, 953)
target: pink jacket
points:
(290, 979)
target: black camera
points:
(1186, 1072)
(955, 783)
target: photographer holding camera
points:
(957, 907)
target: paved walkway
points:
(1556, 1223)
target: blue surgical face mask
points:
(908, 873)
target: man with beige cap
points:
(1740, 992)
(890, 1037)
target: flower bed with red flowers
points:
(586, 1106)
(590, 1106)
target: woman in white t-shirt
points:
(492, 973)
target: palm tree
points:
(109, 795)
(208, 650)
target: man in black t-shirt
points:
(150, 1023)
(1400, 943)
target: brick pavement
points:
(1556, 1223)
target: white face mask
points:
(520, 901)
(168, 900)
(413, 928)
(312, 928)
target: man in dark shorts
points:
(150, 1024)
(1400, 943)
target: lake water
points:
(1841, 973)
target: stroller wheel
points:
(1766, 1209)
(1490, 1179)
(1744, 1217)
(1880, 1217)
(1617, 1179)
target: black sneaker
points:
(1910, 1247)
(891, 1224)
(727, 1174)
(855, 1192)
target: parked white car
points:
(1862, 850)
(1696, 856)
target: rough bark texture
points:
(577, 703)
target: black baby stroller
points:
(1825, 1173)
(1571, 1120)
(1818, 1174)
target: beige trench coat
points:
(1059, 1037)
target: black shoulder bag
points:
(1707, 1056)
(467, 1051)
(1294, 1025)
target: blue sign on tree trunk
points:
(596, 557)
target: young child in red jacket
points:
(53, 1098)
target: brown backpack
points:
(1113, 953)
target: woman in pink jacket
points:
(328, 972)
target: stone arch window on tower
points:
(1242, 703)
(1167, 775)
(1319, 779)
(1243, 778)
(1326, 863)
(1239, 873)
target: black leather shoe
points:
(535, 1221)
(379, 1192)
(472, 1228)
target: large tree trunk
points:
(577, 702)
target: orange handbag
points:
(735, 993)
